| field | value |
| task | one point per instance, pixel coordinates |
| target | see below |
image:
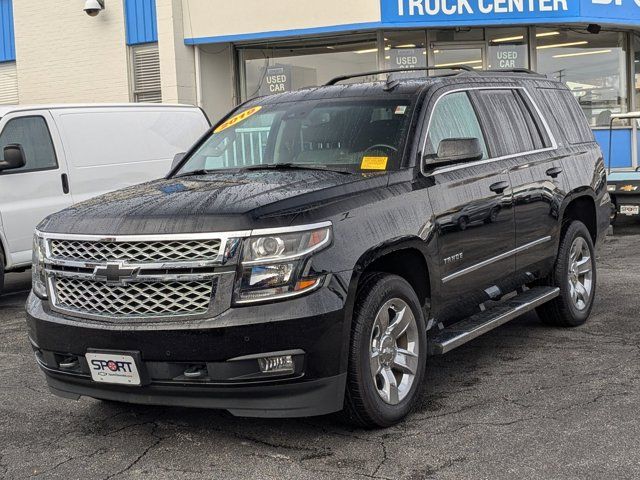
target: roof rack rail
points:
(341, 78)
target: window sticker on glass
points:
(237, 119)
(374, 163)
(401, 110)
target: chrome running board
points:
(460, 333)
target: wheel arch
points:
(580, 204)
(405, 257)
(381, 256)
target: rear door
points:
(472, 209)
(536, 176)
(30, 193)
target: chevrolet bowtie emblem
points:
(114, 272)
(629, 188)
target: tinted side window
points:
(502, 110)
(33, 134)
(538, 133)
(453, 117)
(570, 119)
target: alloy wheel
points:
(580, 273)
(394, 351)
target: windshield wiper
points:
(294, 166)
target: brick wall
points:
(65, 56)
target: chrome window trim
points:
(497, 258)
(545, 124)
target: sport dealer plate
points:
(113, 368)
(630, 209)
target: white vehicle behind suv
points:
(54, 156)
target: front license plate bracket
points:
(126, 367)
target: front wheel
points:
(388, 350)
(575, 275)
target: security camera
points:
(93, 7)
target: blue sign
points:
(489, 12)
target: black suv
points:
(314, 248)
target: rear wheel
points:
(462, 223)
(388, 352)
(575, 275)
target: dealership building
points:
(217, 54)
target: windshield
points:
(352, 135)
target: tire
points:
(568, 310)
(462, 223)
(364, 402)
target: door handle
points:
(499, 187)
(65, 183)
(554, 172)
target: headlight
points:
(37, 268)
(275, 266)
(611, 188)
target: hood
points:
(222, 201)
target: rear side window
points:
(33, 134)
(570, 120)
(515, 129)
(453, 117)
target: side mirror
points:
(456, 150)
(177, 159)
(13, 157)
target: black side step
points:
(474, 326)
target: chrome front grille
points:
(139, 299)
(141, 277)
(136, 251)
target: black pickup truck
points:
(314, 248)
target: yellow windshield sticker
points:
(241, 117)
(374, 163)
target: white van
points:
(56, 155)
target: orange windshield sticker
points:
(374, 163)
(237, 119)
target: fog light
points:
(282, 364)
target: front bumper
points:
(313, 328)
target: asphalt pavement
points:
(524, 401)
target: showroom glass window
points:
(284, 67)
(507, 48)
(592, 66)
(406, 49)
